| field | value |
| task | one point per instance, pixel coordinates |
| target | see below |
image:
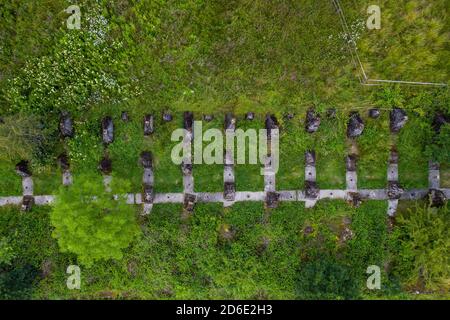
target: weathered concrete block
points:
(105, 165)
(398, 119)
(312, 122)
(188, 120)
(374, 113)
(311, 190)
(146, 159)
(437, 198)
(148, 125)
(272, 199)
(249, 116)
(229, 192)
(310, 158)
(208, 117)
(230, 122)
(350, 162)
(189, 201)
(147, 193)
(63, 162)
(124, 116)
(186, 168)
(27, 203)
(107, 130)
(271, 124)
(167, 116)
(354, 199)
(66, 125)
(22, 169)
(394, 190)
(355, 125)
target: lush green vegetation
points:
(93, 229)
(213, 57)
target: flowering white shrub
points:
(81, 71)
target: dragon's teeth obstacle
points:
(270, 195)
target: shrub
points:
(422, 260)
(439, 149)
(78, 73)
(94, 229)
(325, 277)
(17, 283)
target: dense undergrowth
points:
(212, 57)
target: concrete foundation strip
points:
(243, 196)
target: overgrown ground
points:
(213, 57)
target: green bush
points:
(324, 277)
(17, 283)
(94, 229)
(439, 149)
(421, 257)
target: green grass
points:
(248, 176)
(292, 146)
(10, 182)
(331, 149)
(209, 178)
(413, 163)
(47, 180)
(374, 148)
(411, 44)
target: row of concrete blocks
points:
(269, 195)
(240, 196)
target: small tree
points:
(90, 223)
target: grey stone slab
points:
(130, 198)
(310, 173)
(250, 196)
(269, 176)
(392, 207)
(169, 198)
(446, 192)
(67, 179)
(229, 158)
(288, 195)
(434, 176)
(301, 195)
(392, 172)
(228, 174)
(209, 197)
(414, 194)
(147, 208)
(4, 201)
(27, 186)
(374, 194)
(332, 194)
(148, 177)
(138, 198)
(107, 179)
(351, 179)
(44, 200)
(188, 183)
